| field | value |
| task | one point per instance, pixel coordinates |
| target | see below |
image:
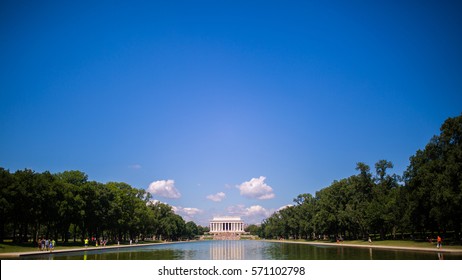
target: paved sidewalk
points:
(15, 255)
(443, 250)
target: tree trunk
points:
(14, 233)
(2, 231)
(75, 232)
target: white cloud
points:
(251, 215)
(285, 206)
(187, 213)
(164, 188)
(217, 197)
(238, 210)
(153, 201)
(256, 188)
(257, 210)
(135, 166)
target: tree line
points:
(68, 206)
(424, 201)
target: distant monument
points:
(226, 228)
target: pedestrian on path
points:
(50, 245)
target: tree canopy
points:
(65, 205)
(426, 199)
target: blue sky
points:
(224, 107)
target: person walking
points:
(439, 242)
(50, 245)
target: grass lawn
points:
(397, 243)
(9, 247)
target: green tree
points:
(73, 177)
(305, 209)
(28, 200)
(434, 181)
(168, 225)
(201, 230)
(191, 230)
(253, 229)
(6, 202)
(381, 212)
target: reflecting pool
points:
(244, 250)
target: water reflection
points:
(227, 250)
(245, 250)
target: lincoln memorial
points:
(226, 227)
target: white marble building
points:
(226, 225)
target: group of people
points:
(46, 244)
(101, 242)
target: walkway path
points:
(443, 250)
(14, 255)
